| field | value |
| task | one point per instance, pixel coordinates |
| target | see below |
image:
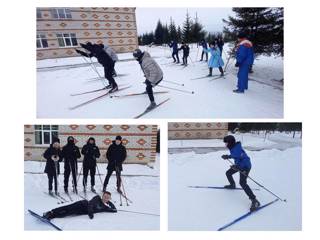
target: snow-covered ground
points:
(209, 209)
(141, 184)
(58, 78)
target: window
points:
(67, 39)
(39, 13)
(42, 41)
(61, 13)
(45, 133)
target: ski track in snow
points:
(279, 171)
(212, 99)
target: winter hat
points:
(91, 138)
(230, 140)
(137, 53)
(242, 35)
(118, 138)
(55, 139)
(70, 139)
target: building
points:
(60, 30)
(140, 140)
(197, 130)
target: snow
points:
(209, 209)
(58, 78)
(141, 185)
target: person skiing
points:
(70, 154)
(244, 59)
(175, 52)
(112, 54)
(204, 46)
(104, 59)
(186, 50)
(242, 164)
(90, 154)
(152, 73)
(215, 60)
(52, 169)
(220, 44)
(96, 205)
(116, 155)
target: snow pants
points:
(174, 56)
(185, 59)
(108, 74)
(70, 167)
(86, 170)
(242, 182)
(51, 178)
(203, 52)
(77, 208)
(149, 89)
(243, 77)
(109, 173)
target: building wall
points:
(113, 26)
(140, 140)
(199, 130)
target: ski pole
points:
(124, 191)
(197, 54)
(151, 214)
(191, 60)
(99, 174)
(230, 55)
(179, 84)
(283, 200)
(179, 90)
(79, 173)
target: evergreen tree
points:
(197, 31)
(158, 33)
(179, 34)
(264, 27)
(166, 35)
(187, 29)
(173, 34)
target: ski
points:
(58, 195)
(136, 94)
(124, 196)
(44, 220)
(216, 78)
(246, 215)
(69, 196)
(147, 111)
(143, 213)
(223, 188)
(92, 91)
(204, 77)
(96, 98)
(60, 201)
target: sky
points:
(211, 18)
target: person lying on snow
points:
(96, 205)
(242, 164)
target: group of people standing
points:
(70, 153)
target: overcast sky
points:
(211, 18)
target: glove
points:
(78, 51)
(237, 64)
(225, 156)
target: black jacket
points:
(116, 155)
(52, 167)
(70, 154)
(90, 152)
(98, 52)
(95, 205)
(185, 50)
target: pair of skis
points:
(44, 220)
(223, 188)
(61, 200)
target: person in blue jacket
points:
(215, 60)
(175, 52)
(244, 60)
(242, 164)
(204, 46)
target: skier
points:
(215, 60)
(244, 59)
(113, 56)
(204, 46)
(152, 73)
(220, 44)
(90, 152)
(70, 154)
(185, 48)
(175, 52)
(52, 168)
(242, 165)
(116, 155)
(96, 205)
(104, 59)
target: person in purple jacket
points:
(242, 164)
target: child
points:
(52, 168)
(242, 164)
(175, 53)
(215, 59)
(185, 48)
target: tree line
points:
(250, 127)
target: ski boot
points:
(254, 205)
(50, 193)
(84, 188)
(75, 190)
(113, 89)
(221, 74)
(93, 190)
(56, 192)
(230, 186)
(238, 91)
(151, 106)
(66, 190)
(48, 215)
(108, 87)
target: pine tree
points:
(173, 35)
(197, 31)
(179, 34)
(158, 33)
(166, 35)
(264, 27)
(187, 29)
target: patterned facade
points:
(198, 130)
(140, 140)
(113, 26)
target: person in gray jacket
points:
(152, 73)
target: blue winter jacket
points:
(245, 54)
(241, 159)
(215, 60)
(174, 46)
